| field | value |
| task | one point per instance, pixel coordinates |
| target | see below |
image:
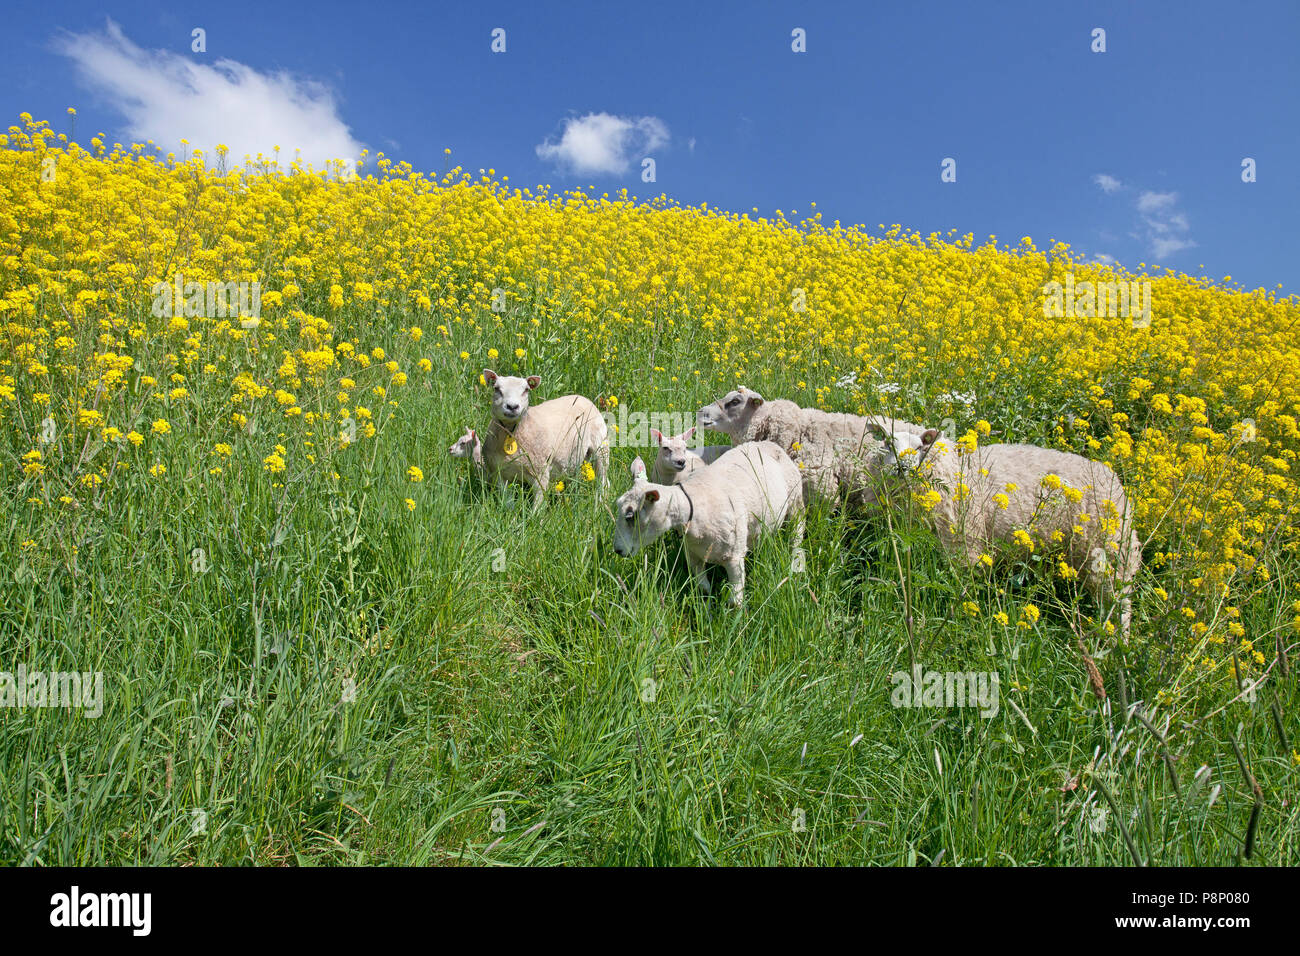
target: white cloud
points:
(603, 143)
(1166, 228)
(1152, 202)
(166, 97)
(1108, 183)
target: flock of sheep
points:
(720, 497)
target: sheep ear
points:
(755, 399)
(489, 376)
(688, 434)
(638, 467)
(534, 381)
(652, 495)
(658, 436)
(929, 435)
(473, 435)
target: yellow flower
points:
(160, 427)
(415, 474)
(410, 504)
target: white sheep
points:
(677, 461)
(1011, 497)
(719, 510)
(835, 451)
(529, 444)
(469, 447)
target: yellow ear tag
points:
(511, 446)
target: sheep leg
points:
(1107, 596)
(698, 571)
(503, 489)
(736, 575)
(600, 454)
(540, 484)
(799, 527)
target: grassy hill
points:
(323, 641)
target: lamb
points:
(720, 509)
(835, 451)
(1024, 495)
(468, 446)
(676, 461)
(529, 444)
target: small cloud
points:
(1153, 202)
(604, 143)
(1108, 183)
(166, 97)
(690, 145)
(1165, 226)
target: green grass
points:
(502, 663)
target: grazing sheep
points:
(719, 510)
(1024, 495)
(529, 444)
(676, 461)
(834, 451)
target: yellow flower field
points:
(398, 280)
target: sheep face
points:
(464, 446)
(731, 413)
(672, 449)
(639, 515)
(903, 452)
(510, 395)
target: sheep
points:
(676, 461)
(1000, 494)
(468, 446)
(835, 451)
(719, 510)
(528, 444)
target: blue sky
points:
(1133, 154)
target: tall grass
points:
(342, 680)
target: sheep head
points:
(466, 445)
(903, 452)
(510, 395)
(639, 515)
(732, 413)
(672, 449)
